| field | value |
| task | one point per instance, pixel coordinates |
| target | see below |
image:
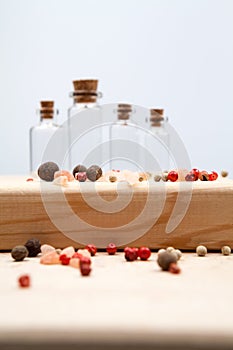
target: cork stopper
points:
(85, 91)
(46, 109)
(123, 111)
(156, 116)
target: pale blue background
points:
(172, 53)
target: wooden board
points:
(107, 212)
(121, 305)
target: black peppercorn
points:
(46, 171)
(19, 252)
(33, 246)
(94, 172)
(165, 259)
(79, 169)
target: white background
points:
(177, 54)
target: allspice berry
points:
(94, 172)
(165, 259)
(224, 173)
(112, 178)
(47, 170)
(226, 250)
(19, 252)
(33, 246)
(201, 250)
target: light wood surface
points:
(120, 303)
(116, 211)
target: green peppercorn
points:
(165, 259)
(33, 246)
(19, 252)
(94, 172)
(79, 169)
(46, 171)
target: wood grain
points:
(208, 220)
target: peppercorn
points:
(94, 172)
(164, 176)
(91, 248)
(226, 250)
(204, 176)
(24, 281)
(112, 178)
(131, 254)
(224, 173)
(33, 246)
(19, 252)
(174, 268)
(111, 248)
(79, 169)
(172, 176)
(46, 171)
(178, 253)
(157, 178)
(165, 259)
(161, 251)
(144, 253)
(190, 177)
(81, 176)
(201, 250)
(170, 249)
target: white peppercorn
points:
(226, 250)
(201, 250)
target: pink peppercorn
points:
(92, 249)
(196, 172)
(30, 179)
(144, 253)
(24, 281)
(85, 269)
(131, 254)
(64, 259)
(172, 176)
(190, 177)
(111, 249)
(174, 268)
(213, 176)
(81, 177)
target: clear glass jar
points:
(41, 134)
(125, 141)
(157, 143)
(84, 124)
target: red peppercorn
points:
(190, 177)
(172, 176)
(85, 269)
(92, 249)
(144, 253)
(174, 268)
(131, 254)
(213, 176)
(84, 260)
(77, 255)
(24, 281)
(65, 260)
(196, 172)
(111, 249)
(30, 179)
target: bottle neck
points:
(46, 121)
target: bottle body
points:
(157, 144)
(42, 145)
(125, 146)
(85, 134)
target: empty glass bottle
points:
(125, 141)
(84, 124)
(157, 143)
(40, 136)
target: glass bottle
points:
(41, 134)
(84, 124)
(157, 143)
(125, 141)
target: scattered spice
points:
(19, 252)
(226, 250)
(111, 249)
(201, 250)
(165, 259)
(24, 281)
(33, 246)
(47, 170)
(94, 172)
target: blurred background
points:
(175, 54)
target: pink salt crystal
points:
(46, 248)
(64, 173)
(131, 177)
(84, 252)
(61, 181)
(50, 258)
(74, 262)
(68, 251)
